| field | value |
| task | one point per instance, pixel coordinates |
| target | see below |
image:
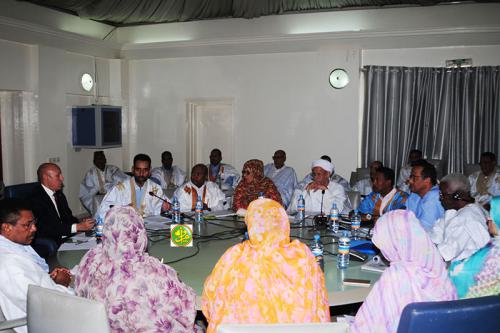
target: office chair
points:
(461, 316)
(7, 326)
(51, 311)
(20, 191)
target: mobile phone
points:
(356, 282)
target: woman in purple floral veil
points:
(140, 293)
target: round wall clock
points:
(339, 78)
(87, 82)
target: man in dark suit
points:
(54, 217)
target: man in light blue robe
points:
(424, 199)
(284, 177)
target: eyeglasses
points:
(445, 195)
(29, 225)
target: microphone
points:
(320, 221)
(322, 196)
(156, 196)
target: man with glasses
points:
(50, 207)
(283, 176)
(20, 265)
(424, 199)
(463, 229)
(322, 192)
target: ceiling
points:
(121, 13)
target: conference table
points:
(212, 237)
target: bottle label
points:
(343, 249)
(355, 225)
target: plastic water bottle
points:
(355, 225)
(176, 210)
(343, 250)
(301, 209)
(198, 210)
(98, 228)
(334, 218)
(317, 250)
(245, 237)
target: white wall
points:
(432, 56)
(282, 101)
(53, 75)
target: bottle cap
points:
(317, 236)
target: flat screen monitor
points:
(97, 126)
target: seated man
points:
(404, 173)
(168, 176)
(364, 186)
(50, 207)
(320, 189)
(210, 194)
(485, 184)
(20, 265)
(138, 191)
(284, 177)
(98, 181)
(222, 174)
(463, 230)
(334, 177)
(384, 198)
(424, 198)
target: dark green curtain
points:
(450, 114)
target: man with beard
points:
(50, 207)
(137, 191)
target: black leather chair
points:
(461, 316)
(20, 191)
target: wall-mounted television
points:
(97, 126)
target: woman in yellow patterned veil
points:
(266, 279)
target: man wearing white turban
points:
(320, 189)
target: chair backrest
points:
(465, 315)
(20, 191)
(438, 164)
(471, 168)
(51, 311)
(354, 198)
(284, 328)
(7, 326)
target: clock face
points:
(339, 78)
(87, 82)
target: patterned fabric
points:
(373, 201)
(479, 275)
(247, 192)
(140, 293)
(417, 273)
(266, 279)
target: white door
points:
(210, 125)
